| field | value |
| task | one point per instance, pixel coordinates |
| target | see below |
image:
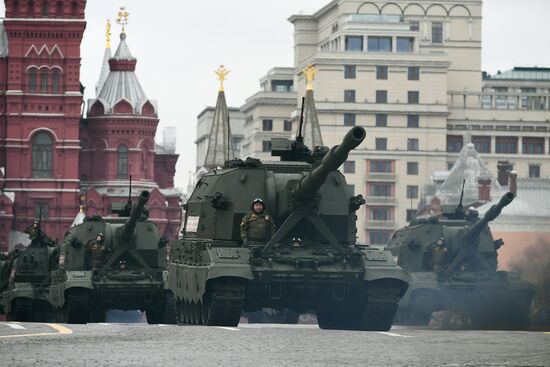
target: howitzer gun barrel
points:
(491, 215)
(312, 182)
(137, 210)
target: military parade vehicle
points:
(24, 279)
(453, 264)
(214, 276)
(111, 263)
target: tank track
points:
(221, 305)
(21, 310)
(381, 307)
(77, 307)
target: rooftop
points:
(522, 73)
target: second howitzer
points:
(310, 263)
(111, 263)
(453, 263)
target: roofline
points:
(315, 15)
(211, 108)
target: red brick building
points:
(53, 159)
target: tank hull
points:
(299, 280)
(487, 301)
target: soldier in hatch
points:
(440, 257)
(98, 251)
(258, 226)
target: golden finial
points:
(81, 209)
(122, 18)
(309, 74)
(108, 33)
(221, 73)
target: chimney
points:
(513, 182)
(504, 168)
(484, 189)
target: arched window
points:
(44, 81)
(74, 9)
(122, 161)
(42, 147)
(32, 80)
(55, 81)
(15, 7)
(45, 8)
(30, 8)
(59, 9)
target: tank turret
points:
(477, 227)
(128, 229)
(310, 184)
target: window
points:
(412, 192)
(287, 125)
(412, 168)
(59, 9)
(534, 171)
(349, 167)
(349, 119)
(413, 97)
(350, 71)
(45, 8)
(382, 72)
(122, 162)
(381, 96)
(380, 44)
(282, 86)
(412, 144)
(381, 120)
(411, 214)
(437, 32)
(412, 121)
(380, 190)
(30, 8)
(415, 26)
(55, 81)
(379, 237)
(15, 7)
(533, 146)
(454, 143)
(266, 146)
(506, 144)
(41, 210)
(267, 125)
(349, 95)
(44, 81)
(354, 43)
(380, 167)
(482, 143)
(42, 147)
(405, 44)
(237, 142)
(381, 143)
(32, 80)
(74, 9)
(450, 166)
(414, 73)
(380, 213)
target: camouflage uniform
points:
(440, 259)
(257, 229)
(98, 252)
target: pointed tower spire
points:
(105, 64)
(311, 129)
(220, 146)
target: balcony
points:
(381, 200)
(381, 176)
(380, 224)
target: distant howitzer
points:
(476, 228)
(471, 235)
(311, 183)
(127, 230)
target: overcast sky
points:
(179, 43)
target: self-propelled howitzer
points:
(214, 277)
(111, 263)
(453, 263)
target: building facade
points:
(53, 159)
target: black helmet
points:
(257, 201)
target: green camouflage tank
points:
(310, 262)
(111, 263)
(453, 264)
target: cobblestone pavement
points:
(27, 344)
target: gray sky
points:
(180, 43)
